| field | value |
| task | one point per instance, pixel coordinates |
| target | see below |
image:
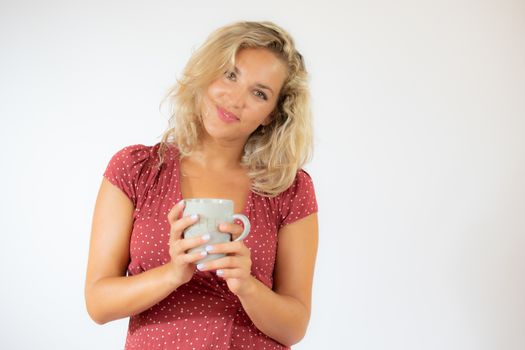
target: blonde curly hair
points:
(272, 154)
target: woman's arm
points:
(109, 293)
(284, 312)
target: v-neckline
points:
(179, 184)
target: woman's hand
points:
(235, 268)
(182, 264)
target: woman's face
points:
(243, 98)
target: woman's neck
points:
(214, 154)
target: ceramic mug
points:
(212, 212)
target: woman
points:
(240, 129)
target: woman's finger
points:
(183, 245)
(176, 212)
(227, 262)
(232, 228)
(180, 225)
(194, 257)
(228, 248)
(230, 273)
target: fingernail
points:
(222, 226)
(204, 253)
(200, 266)
(206, 237)
(219, 272)
(181, 202)
(194, 216)
(209, 248)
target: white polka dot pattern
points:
(203, 313)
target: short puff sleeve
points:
(126, 168)
(298, 201)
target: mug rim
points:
(208, 200)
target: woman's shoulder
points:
(302, 182)
(137, 166)
(298, 201)
(132, 153)
(140, 154)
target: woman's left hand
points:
(236, 266)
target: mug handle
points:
(246, 224)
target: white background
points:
(419, 165)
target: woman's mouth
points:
(226, 116)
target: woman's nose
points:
(236, 97)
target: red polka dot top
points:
(203, 313)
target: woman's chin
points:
(218, 133)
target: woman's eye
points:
(230, 75)
(261, 94)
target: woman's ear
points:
(268, 119)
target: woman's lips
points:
(226, 116)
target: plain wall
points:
(419, 164)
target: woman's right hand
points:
(182, 263)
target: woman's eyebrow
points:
(259, 85)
